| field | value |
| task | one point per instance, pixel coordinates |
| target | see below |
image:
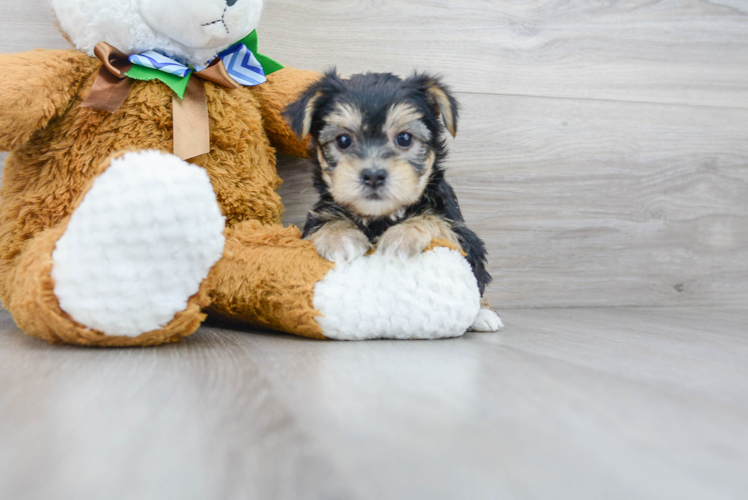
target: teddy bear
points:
(139, 194)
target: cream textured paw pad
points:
(434, 295)
(140, 244)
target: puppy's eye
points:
(344, 141)
(404, 140)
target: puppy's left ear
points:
(442, 97)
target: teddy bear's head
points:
(190, 31)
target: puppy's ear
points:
(300, 114)
(439, 95)
(447, 105)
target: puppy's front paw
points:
(404, 241)
(340, 243)
(487, 321)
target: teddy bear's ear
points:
(439, 95)
(300, 114)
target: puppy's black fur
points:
(373, 96)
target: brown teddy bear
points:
(141, 190)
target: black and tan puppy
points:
(378, 147)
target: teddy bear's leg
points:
(270, 277)
(267, 278)
(128, 267)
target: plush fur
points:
(446, 302)
(48, 173)
(267, 278)
(182, 29)
(58, 149)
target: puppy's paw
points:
(487, 321)
(343, 249)
(340, 243)
(404, 241)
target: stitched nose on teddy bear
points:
(231, 2)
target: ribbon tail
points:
(108, 92)
(217, 74)
(191, 122)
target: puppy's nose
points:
(231, 2)
(374, 177)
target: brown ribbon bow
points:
(190, 114)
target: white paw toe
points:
(487, 321)
(139, 245)
(343, 253)
(340, 242)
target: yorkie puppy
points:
(378, 149)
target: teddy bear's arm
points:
(282, 88)
(34, 88)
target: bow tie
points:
(240, 65)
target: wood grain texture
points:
(583, 200)
(565, 404)
(693, 52)
(29, 25)
(597, 203)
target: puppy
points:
(378, 147)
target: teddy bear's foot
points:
(139, 246)
(432, 296)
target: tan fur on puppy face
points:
(404, 186)
(346, 117)
(408, 169)
(404, 117)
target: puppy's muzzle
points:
(374, 178)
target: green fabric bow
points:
(179, 84)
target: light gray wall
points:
(603, 148)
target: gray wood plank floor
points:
(566, 403)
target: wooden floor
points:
(565, 403)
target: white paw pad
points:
(487, 321)
(139, 245)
